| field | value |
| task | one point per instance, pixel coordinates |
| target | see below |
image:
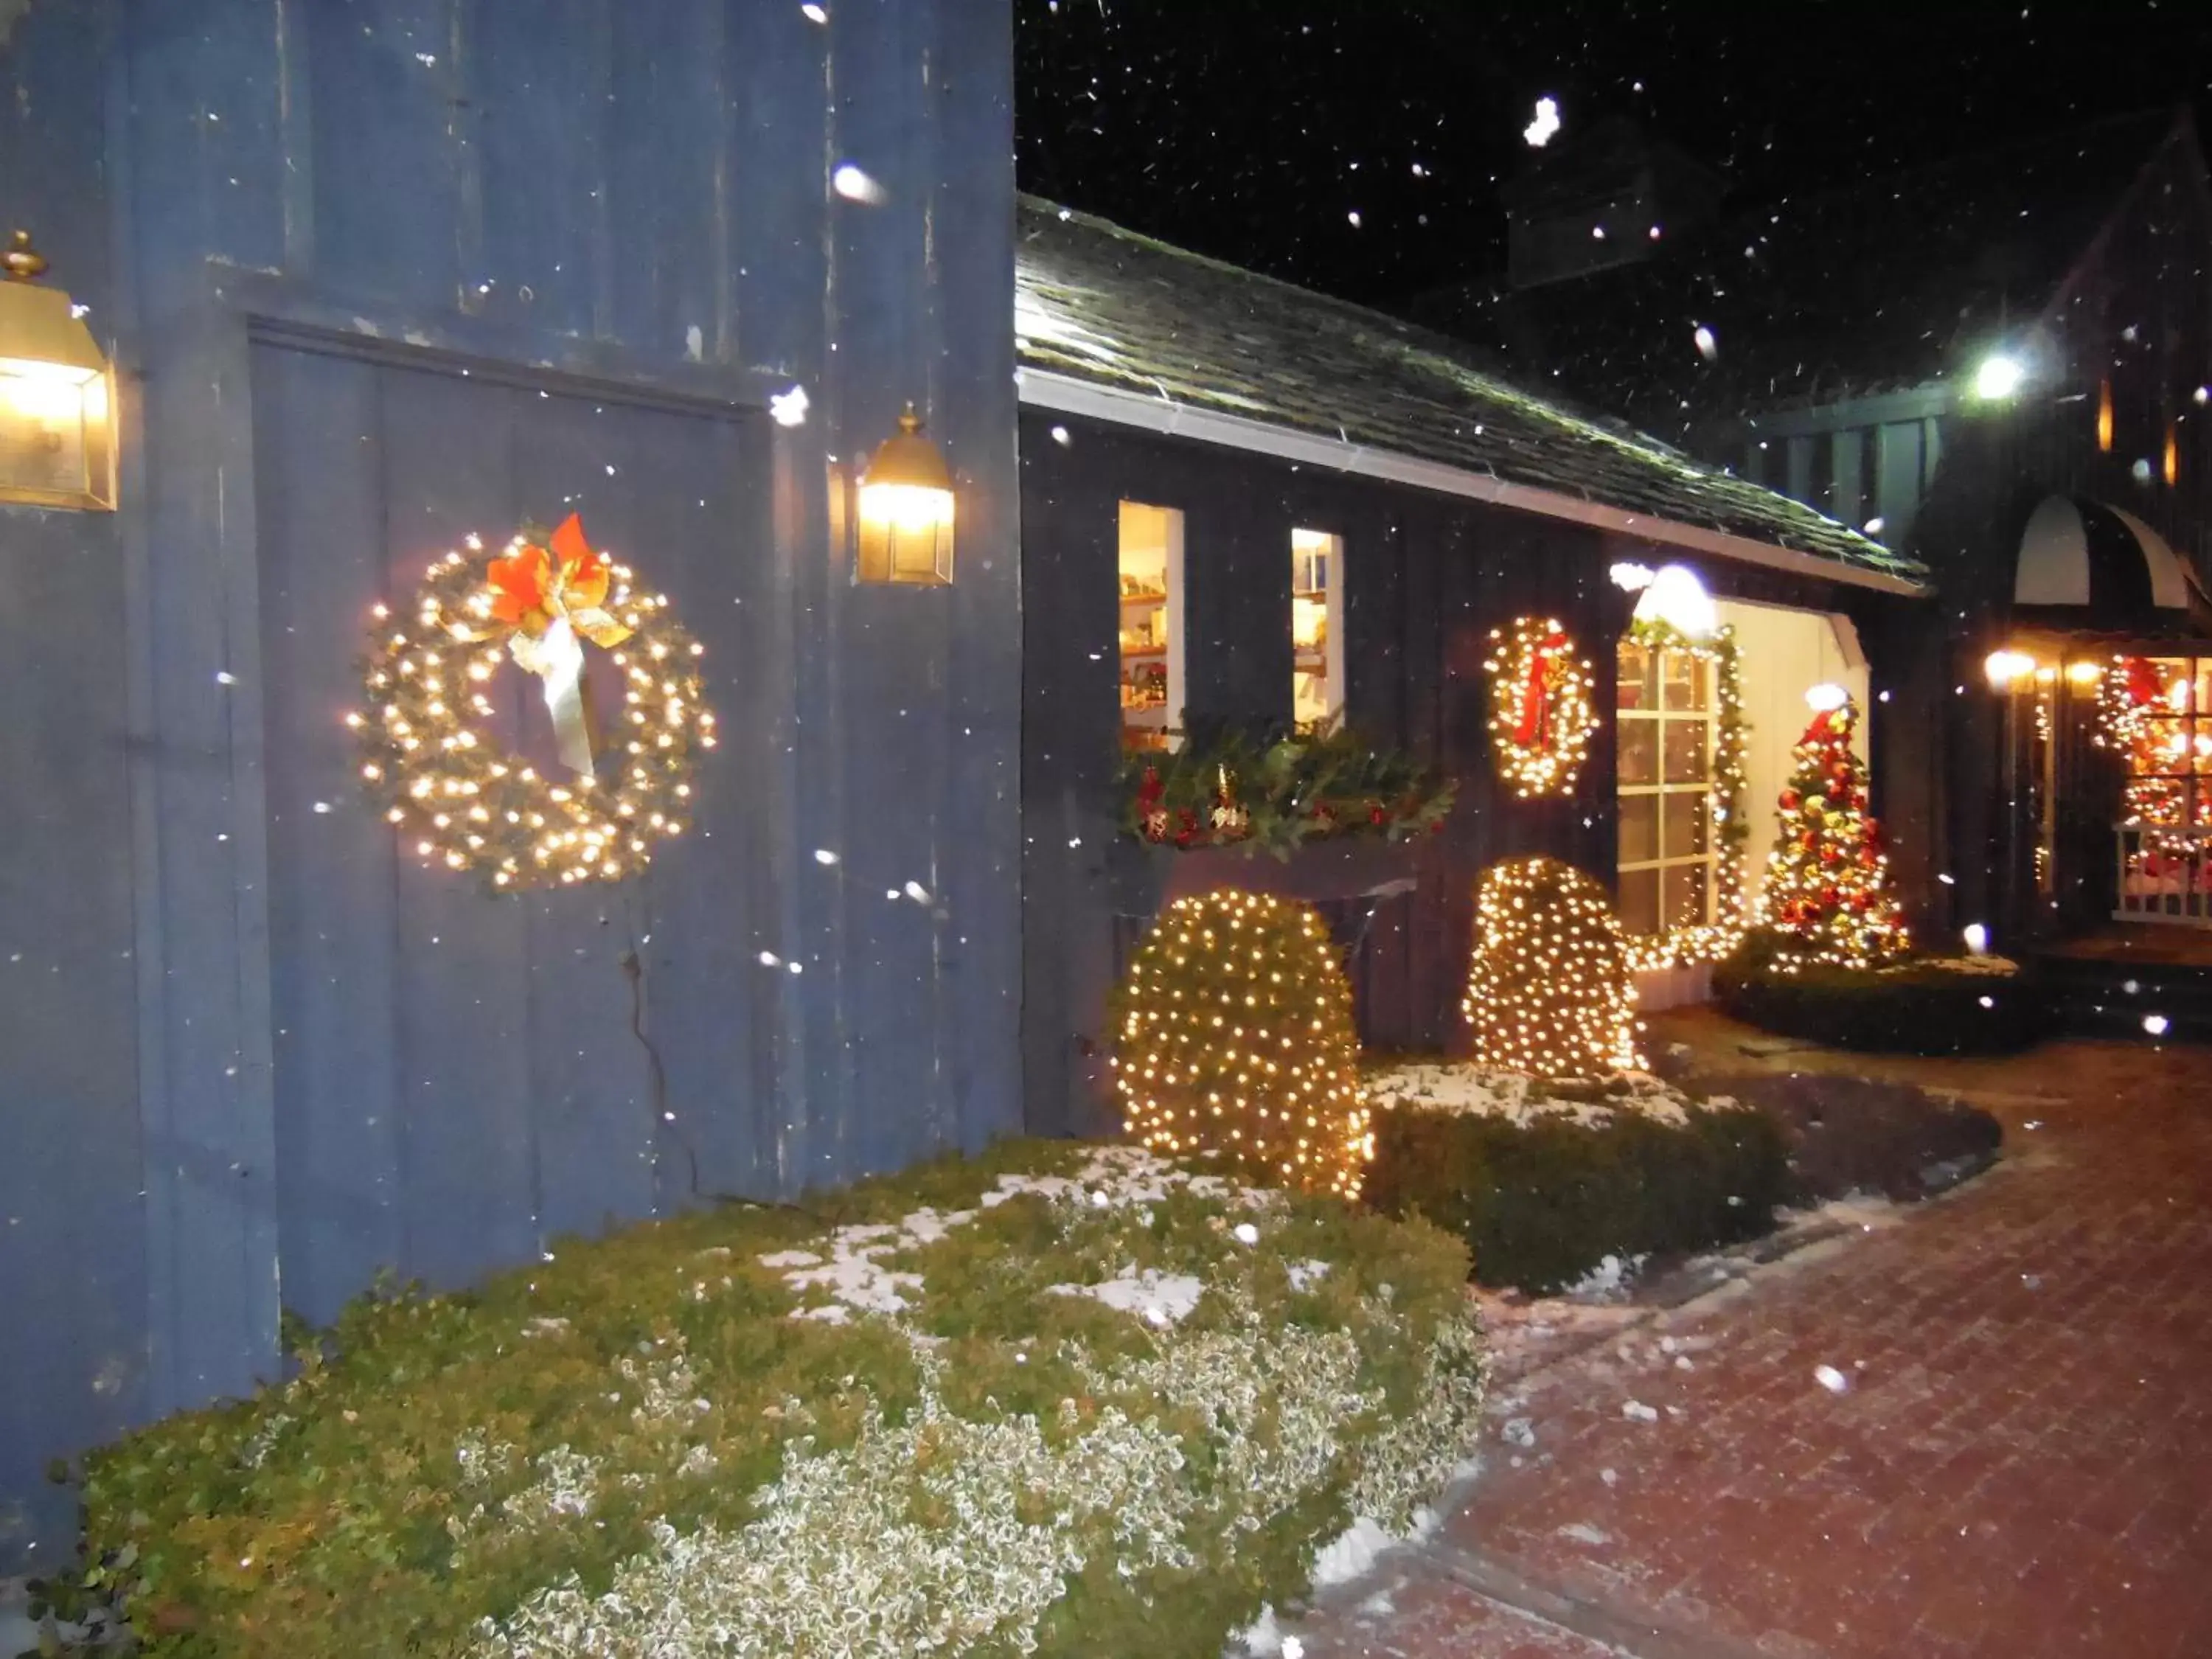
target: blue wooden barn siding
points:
(376, 272)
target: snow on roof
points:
(1103, 305)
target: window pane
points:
(1684, 827)
(1639, 902)
(1634, 665)
(1151, 623)
(1316, 627)
(2163, 747)
(2154, 800)
(1685, 751)
(1640, 751)
(1686, 895)
(2172, 676)
(1640, 829)
(1685, 676)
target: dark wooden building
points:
(1219, 430)
(1938, 357)
(374, 274)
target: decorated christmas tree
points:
(1828, 898)
(1234, 1038)
(1549, 991)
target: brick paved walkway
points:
(2019, 1462)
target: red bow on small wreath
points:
(1537, 695)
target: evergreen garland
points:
(1277, 790)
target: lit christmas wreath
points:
(463, 802)
(1541, 710)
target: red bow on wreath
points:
(1535, 729)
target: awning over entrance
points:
(2086, 566)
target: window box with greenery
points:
(1276, 791)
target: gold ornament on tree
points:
(1541, 714)
(463, 802)
(1548, 993)
(1235, 1039)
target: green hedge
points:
(1910, 1010)
(1542, 1204)
(658, 1443)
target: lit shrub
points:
(1548, 993)
(1234, 1039)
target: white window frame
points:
(1657, 792)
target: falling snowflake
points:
(788, 408)
(854, 186)
(1539, 132)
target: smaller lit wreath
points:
(463, 802)
(1541, 714)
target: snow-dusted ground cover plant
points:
(1550, 1183)
(1058, 1399)
(1520, 1099)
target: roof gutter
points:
(1042, 389)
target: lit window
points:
(2104, 418)
(1150, 625)
(1668, 729)
(1316, 628)
(2168, 741)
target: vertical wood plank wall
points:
(248, 1054)
(1426, 578)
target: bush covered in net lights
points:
(1234, 1037)
(1548, 993)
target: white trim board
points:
(1066, 395)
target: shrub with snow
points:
(1548, 1180)
(1060, 1400)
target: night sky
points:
(1252, 130)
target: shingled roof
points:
(1103, 305)
(1882, 286)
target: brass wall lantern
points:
(906, 510)
(56, 394)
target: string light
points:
(461, 801)
(1728, 802)
(1541, 714)
(1828, 897)
(1236, 1039)
(1548, 993)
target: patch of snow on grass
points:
(1612, 1277)
(1350, 1553)
(1521, 1099)
(1993, 967)
(1157, 1297)
(1113, 1177)
(1263, 1638)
